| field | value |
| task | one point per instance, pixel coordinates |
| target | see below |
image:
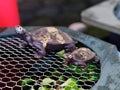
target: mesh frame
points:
(18, 63)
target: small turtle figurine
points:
(54, 40)
(24, 35)
(80, 56)
(51, 38)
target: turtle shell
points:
(52, 38)
(83, 54)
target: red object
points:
(9, 13)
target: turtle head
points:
(68, 58)
(20, 30)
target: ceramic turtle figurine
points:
(54, 39)
(50, 38)
(80, 57)
(24, 35)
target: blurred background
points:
(58, 13)
(61, 13)
(52, 12)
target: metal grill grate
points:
(18, 63)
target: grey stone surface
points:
(109, 59)
(102, 16)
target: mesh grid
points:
(18, 63)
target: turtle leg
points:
(37, 55)
(67, 62)
(96, 59)
(82, 65)
(68, 58)
(27, 40)
(40, 49)
(23, 44)
(69, 47)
